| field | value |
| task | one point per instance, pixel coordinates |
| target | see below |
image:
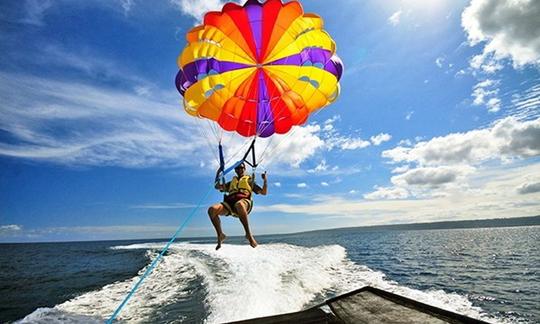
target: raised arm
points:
(264, 189)
(218, 185)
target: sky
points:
(438, 119)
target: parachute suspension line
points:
(204, 134)
(158, 258)
(266, 148)
(241, 149)
(278, 145)
(251, 149)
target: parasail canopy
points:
(258, 69)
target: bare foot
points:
(221, 238)
(252, 241)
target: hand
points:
(263, 176)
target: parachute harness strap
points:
(160, 256)
(251, 149)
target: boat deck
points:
(368, 305)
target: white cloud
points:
(439, 61)
(302, 185)
(446, 164)
(432, 176)
(491, 194)
(508, 29)
(352, 143)
(485, 62)
(324, 184)
(507, 138)
(332, 120)
(277, 184)
(395, 18)
(485, 93)
(282, 149)
(308, 140)
(383, 193)
(319, 168)
(380, 138)
(8, 230)
(69, 122)
(405, 142)
(352, 192)
(401, 169)
(197, 8)
(526, 105)
(493, 104)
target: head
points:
(240, 169)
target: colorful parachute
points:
(258, 69)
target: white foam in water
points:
(241, 282)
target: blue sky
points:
(438, 119)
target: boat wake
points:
(234, 283)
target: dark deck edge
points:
(432, 310)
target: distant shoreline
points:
(464, 224)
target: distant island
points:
(479, 223)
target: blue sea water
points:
(492, 274)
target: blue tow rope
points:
(156, 260)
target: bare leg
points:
(243, 216)
(214, 212)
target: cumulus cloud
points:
(431, 176)
(380, 138)
(507, 138)
(492, 194)
(324, 184)
(507, 29)
(307, 141)
(302, 185)
(529, 187)
(383, 193)
(395, 18)
(277, 184)
(439, 61)
(444, 164)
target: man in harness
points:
(237, 202)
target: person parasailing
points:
(256, 70)
(237, 202)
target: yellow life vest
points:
(242, 185)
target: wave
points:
(239, 283)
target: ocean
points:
(487, 273)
